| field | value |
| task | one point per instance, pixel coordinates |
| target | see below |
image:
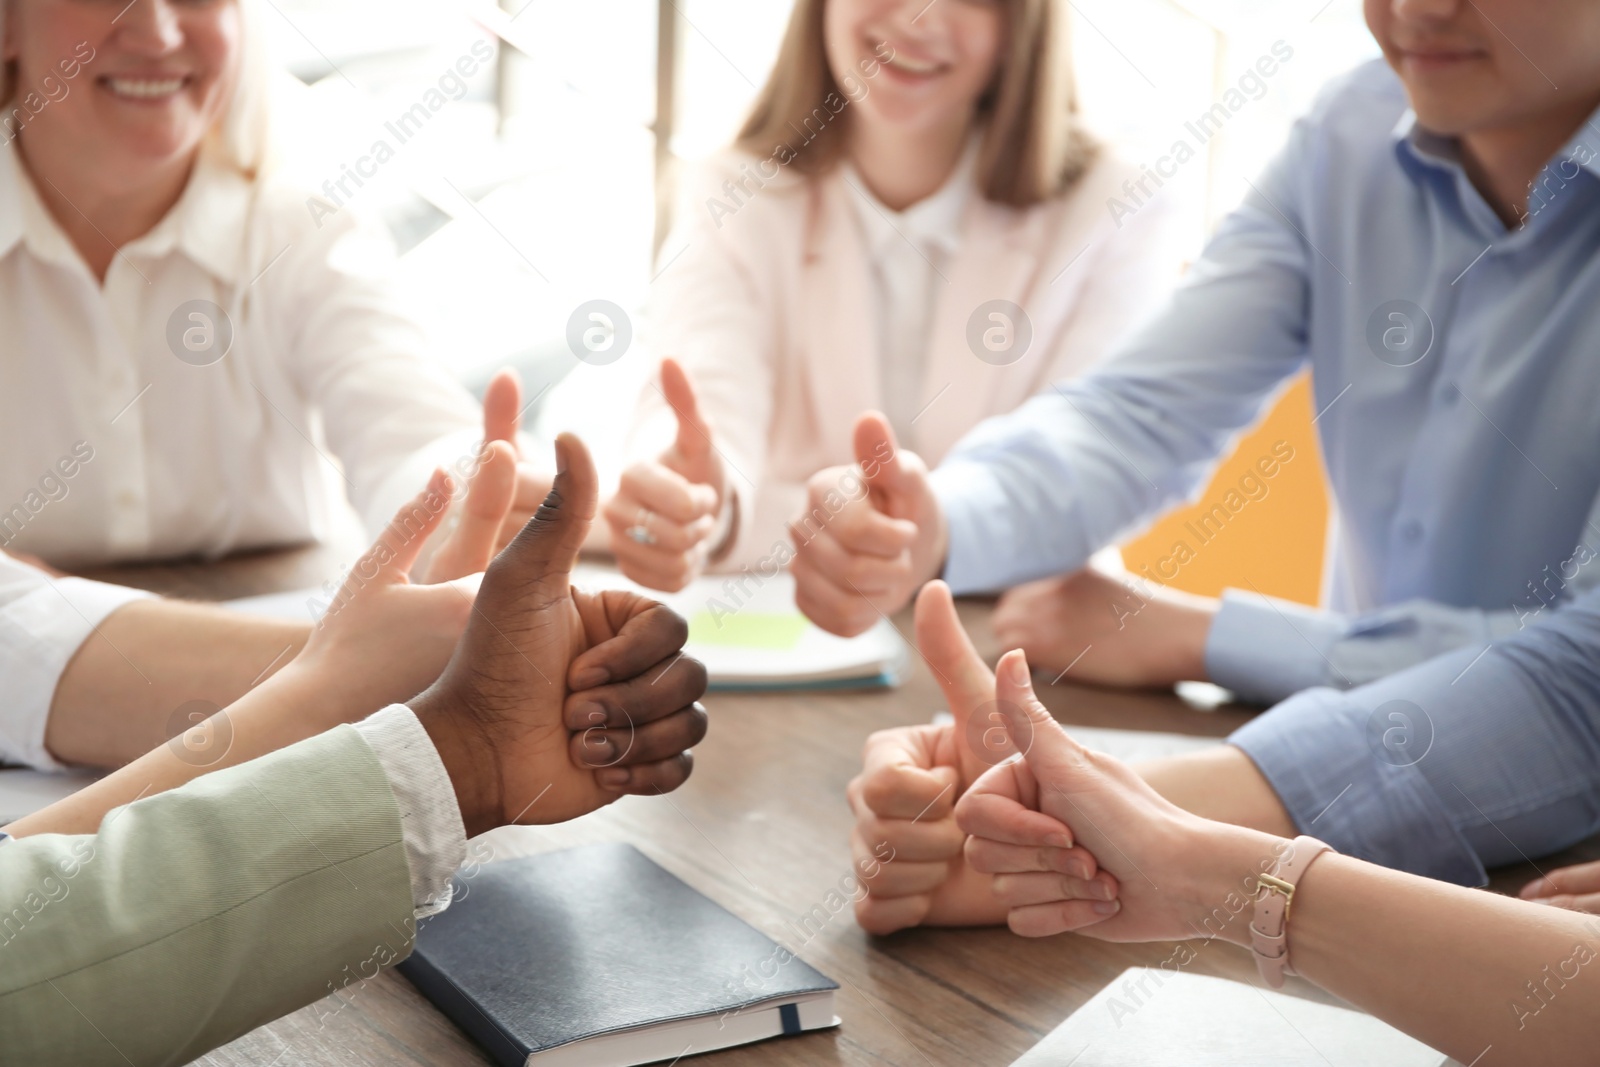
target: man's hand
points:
(502, 419)
(1576, 888)
(911, 778)
(1164, 871)
(1109, 631)
(498, 713)
(666, 510)
(859, 555)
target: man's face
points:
(1475, 65)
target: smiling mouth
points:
(906, 64)
(145, 88)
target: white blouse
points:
(240, 365)
(908, 251)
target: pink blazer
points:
(768, 308)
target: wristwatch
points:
(1269, 930)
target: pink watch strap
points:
(1269, 931)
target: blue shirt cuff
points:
(1316, 752)
(1265, 650)
(989, 548)
(966, 492)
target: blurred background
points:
(539, 183)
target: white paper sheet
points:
(1155, 1017)
(1129, 746)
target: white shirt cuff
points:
(430, 821)
(43, 623)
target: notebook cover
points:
(538, 952)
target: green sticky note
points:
(748, 629)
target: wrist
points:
(468, 757)
(1223, 864)
(1182, 657)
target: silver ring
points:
(639, 533)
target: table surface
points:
(762, 828)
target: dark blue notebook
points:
(597, 956)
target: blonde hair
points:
(1034, 142)
(243, 136)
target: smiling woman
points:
(168, 300)
(910, 221)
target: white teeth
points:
(911, 66)
(144, 90)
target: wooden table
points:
(762, 828)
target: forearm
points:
(196, 917)
(286, 709)
(1487, 979)
(1223, 785)
(122, 692)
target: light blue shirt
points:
(1456, 373)
(1462, 441)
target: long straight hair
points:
(1034, 142)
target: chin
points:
(1447, 117)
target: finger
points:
(1578, 878)
(894, 877)
(876, 452)
(392, 556)
(996, 857)
(475, 540)
(502, 408)
(830, 607)
(893, 786)
(964, 678)
(648, 779)
(669, 494)
(1035, 887)
(646, 743)
(1589, 902)
(669, 572)
(664, 689)
(694, 435)
(1046, 920)
(542, 554)
(650, 635)
(858, 526)
(672, 538)
(922, 841)
(1051, 754)
(993, 816)
(880, 916)
(904, 878)
(860, 573)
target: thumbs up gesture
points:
(667, 509)
(500, 714)
(502, 421)
(870, 535)
(906, 842)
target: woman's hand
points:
(667, 510)
(905, 796)
(498, 713)
(502, 421)
(1176, 876)
(1108, 631)
(1576, 888)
